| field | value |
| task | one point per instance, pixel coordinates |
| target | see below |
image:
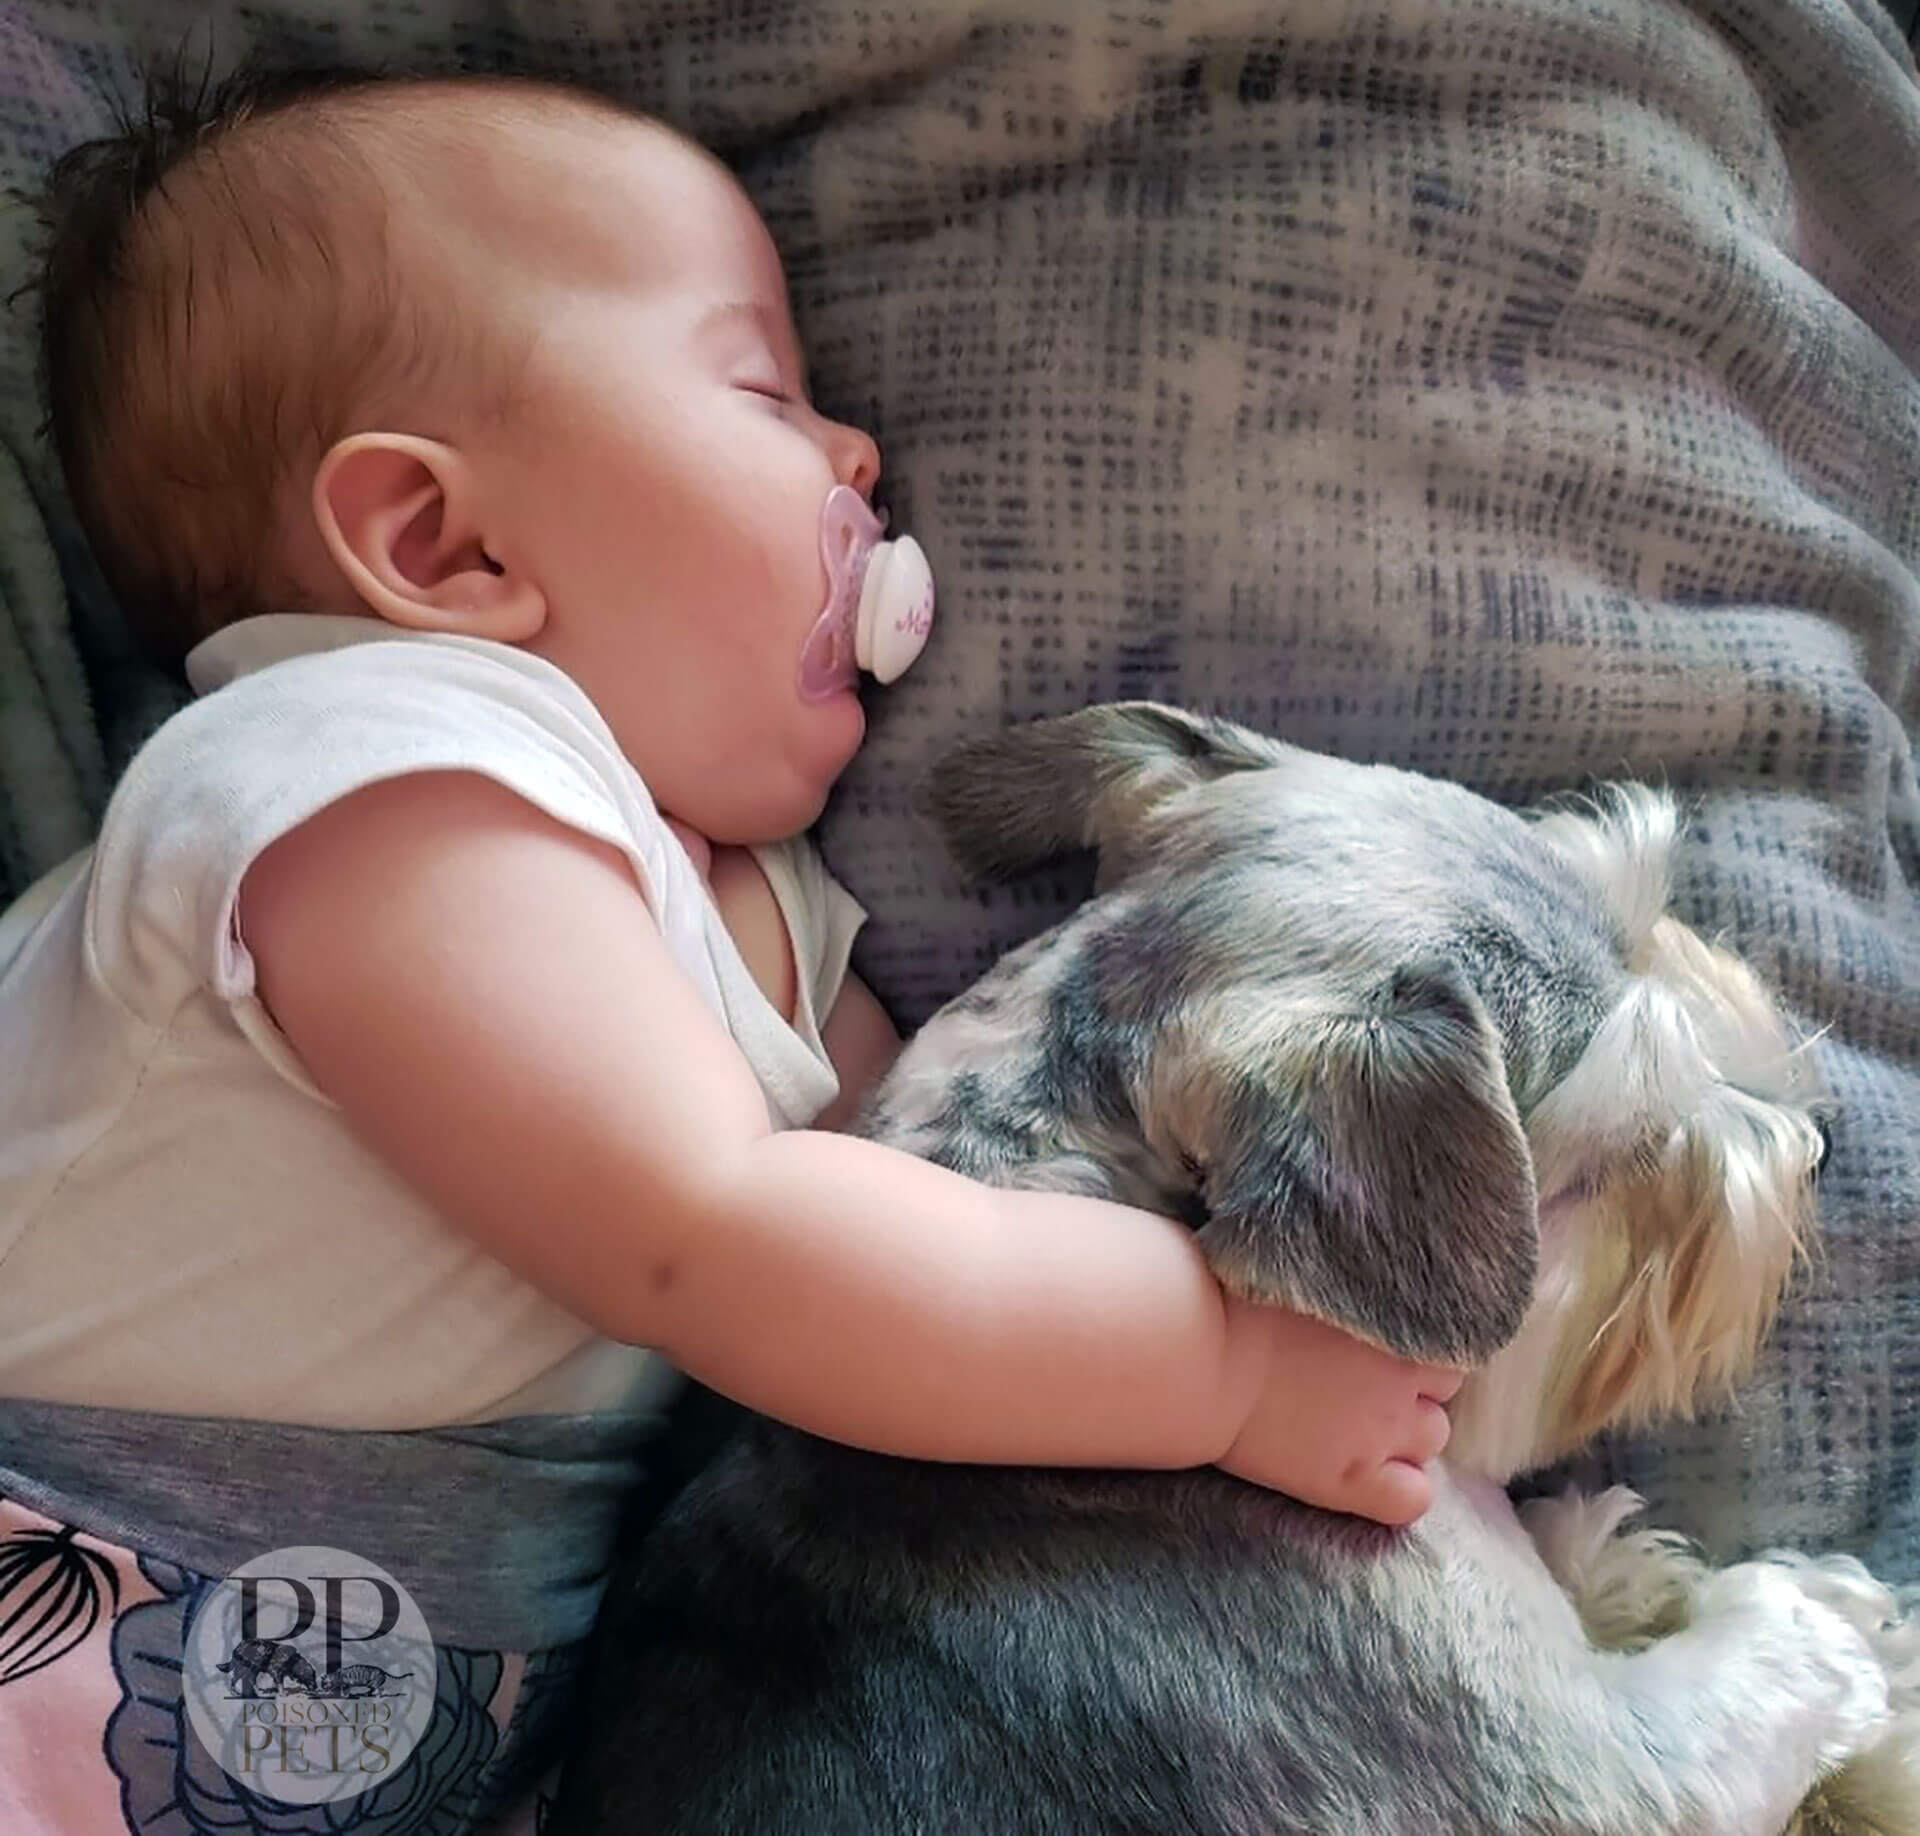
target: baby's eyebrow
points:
(724, 311)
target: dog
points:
(1444, 1074)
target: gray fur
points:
(1311, 1010)
(1315, 994)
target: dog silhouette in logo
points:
(266, 1667)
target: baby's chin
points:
(791, 798)
(846, 709)
(841, 726)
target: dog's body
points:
(1435, 1071)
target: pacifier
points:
(879, 600)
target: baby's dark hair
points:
(225, 284)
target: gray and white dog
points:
(1446, 1075)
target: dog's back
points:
(821, 1642)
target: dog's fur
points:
(1439, 1072)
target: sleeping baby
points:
(452, 1022)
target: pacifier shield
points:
(879, 607)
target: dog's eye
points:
(1826, 1145)
(1190, 1206)
(1191, 1209)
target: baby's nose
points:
(856, 458)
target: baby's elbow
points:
(653, 1306)
(681, 1275)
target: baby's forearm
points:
(878, 1300)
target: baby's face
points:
(661, 475)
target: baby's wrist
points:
(1246, 1365)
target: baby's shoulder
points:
(262, 754)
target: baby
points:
(450, 1008)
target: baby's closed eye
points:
(773, 394)
(763, 381)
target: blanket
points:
(1517, 390)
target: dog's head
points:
(1631, 1093)
(1674, 1165)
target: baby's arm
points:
(483, 993)
(1336, 1421)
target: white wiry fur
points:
(1634, 1588)
(1695, 1244)
(1674, 1200)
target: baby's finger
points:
(1441, 1381)
(1430, 1431)
(1395, 1493)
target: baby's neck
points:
(748, 908)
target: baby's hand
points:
(1337, 1422)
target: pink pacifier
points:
(879, 600)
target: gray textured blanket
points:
(1519, 390)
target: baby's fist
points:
(1336, 1422)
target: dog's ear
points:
(1360, 1159)
(1013, 799)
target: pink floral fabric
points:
(95, 1739)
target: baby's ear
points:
(402, 519)
(1360, 1159)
